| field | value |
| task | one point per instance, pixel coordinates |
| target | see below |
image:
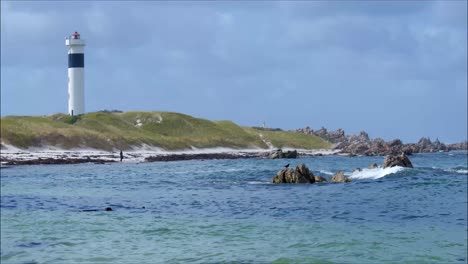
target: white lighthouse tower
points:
(75, 74)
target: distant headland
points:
(167, 136)
(116, 130)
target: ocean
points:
(227, 211)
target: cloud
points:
(291, 63)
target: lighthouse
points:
(75, 47)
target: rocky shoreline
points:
(361, 144)
(102, 157)
(54, 161)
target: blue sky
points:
(396, 69)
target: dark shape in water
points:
(31, 244)
(108, 209)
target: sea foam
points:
(376, 173)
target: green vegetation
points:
(170, 131)
(291, 139)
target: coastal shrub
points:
(71, 119)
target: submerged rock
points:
(301, 174)
(397, 160)
(340, 177)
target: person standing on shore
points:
(121, 155)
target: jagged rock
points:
(340, 177)
(361, 144)
(458, 146)
(395, 142)
(301, 174)
(397, 160)
(373, 166)
(320, 179)
(280, 154)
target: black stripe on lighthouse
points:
(76, 60)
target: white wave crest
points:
(461, 171)
(326, 172)
(376, 173)
(258, 182)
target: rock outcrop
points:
(300, 174)
(373, 166)
(397, 160)
(340, 177)
(361, 144)
(280, 154)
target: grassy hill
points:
(170, 131)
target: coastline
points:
(15, 156)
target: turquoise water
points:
(227, 211)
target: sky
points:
(396, 69)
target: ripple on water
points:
(157, 231)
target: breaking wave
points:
(326, 172)
(460, 170)
(374, 173)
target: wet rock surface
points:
(301, 174)
(339, 177)
(397, 160)
(320, 179)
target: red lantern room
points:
(75, 35)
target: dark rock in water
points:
(280, 154)
(320, 179)
(301, 174)
(397, 160)
(202, 156)
(108, 209)
(357, 170)
(340, 177)
(373, 166)
(290, 154)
